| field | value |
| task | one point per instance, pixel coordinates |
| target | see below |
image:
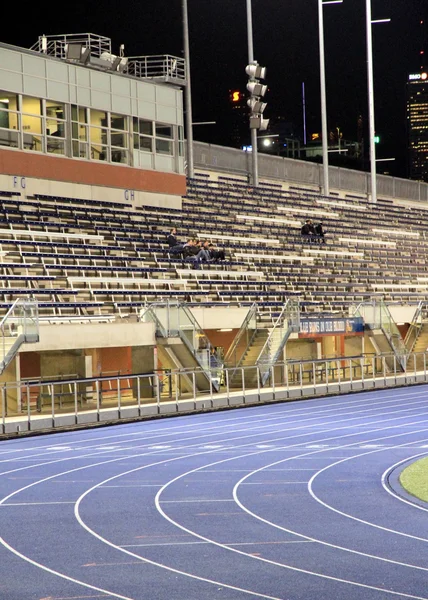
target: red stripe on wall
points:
(23, 164)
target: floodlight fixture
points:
(256, 89)
(255, 71)
(257, 122)
(256, 106)
(74, 51)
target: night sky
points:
(285, 40)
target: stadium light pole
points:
(372, 197)
(254, 149)
(326, 178)
(188, 92)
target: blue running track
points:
(283, 502)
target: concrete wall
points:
(92, 335)
(220, 160)
(14, 179)
(301, 349)
(219, 318)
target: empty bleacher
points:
(97, 259)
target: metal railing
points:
(420, 316)
(56, 45)
(243, 338)
(166, 68)
(20, 324)
(376, 315)
(173, 319)
(287, 322)
(34, 405)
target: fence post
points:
(194, 388)
(97, 392)
(3, 405)
(119, 398)
(272, 373)
(156, 383)
(53, 404)
(177, 385)
(28, 408)
(75, 402)
(339, 378)
(139, 396)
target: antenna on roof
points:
(44, 44)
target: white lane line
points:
(197, 500)
(34, 503)
(107, 542)
(136, 485)
(390, 491)
(349, 516)
(335, 546)
(206, 543)
(66, 577)
(336, 404)
(282, 565)
(43, 567)
(300, 427)
(273, 482)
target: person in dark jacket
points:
(308, 231)
(175, 247)
(216, 254)
(320, 233)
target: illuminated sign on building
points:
(236, 96)
(418, 76)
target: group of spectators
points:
(194, 249)
(313, 233)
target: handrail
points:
(381, 318)
(12, 308)
(415, 328)
(243, 329)
(278, 337)
(168, 331)
(23, 314)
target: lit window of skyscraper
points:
(417, 125)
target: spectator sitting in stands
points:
(320, 233)
(215, 254)
(193, 249)
(203, 255)
(188, 248)
(308, 231)
(174, 245)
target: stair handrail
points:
(159, 328)
(290, 314)
(213, 364)
(238, 337)
(415, 328)
(23, 332)
(392, 333)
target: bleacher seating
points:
(102, 259)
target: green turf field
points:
(414, 479)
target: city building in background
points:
(417, 125)
(239, 120)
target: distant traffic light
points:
(377, 139)
(257, 90)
